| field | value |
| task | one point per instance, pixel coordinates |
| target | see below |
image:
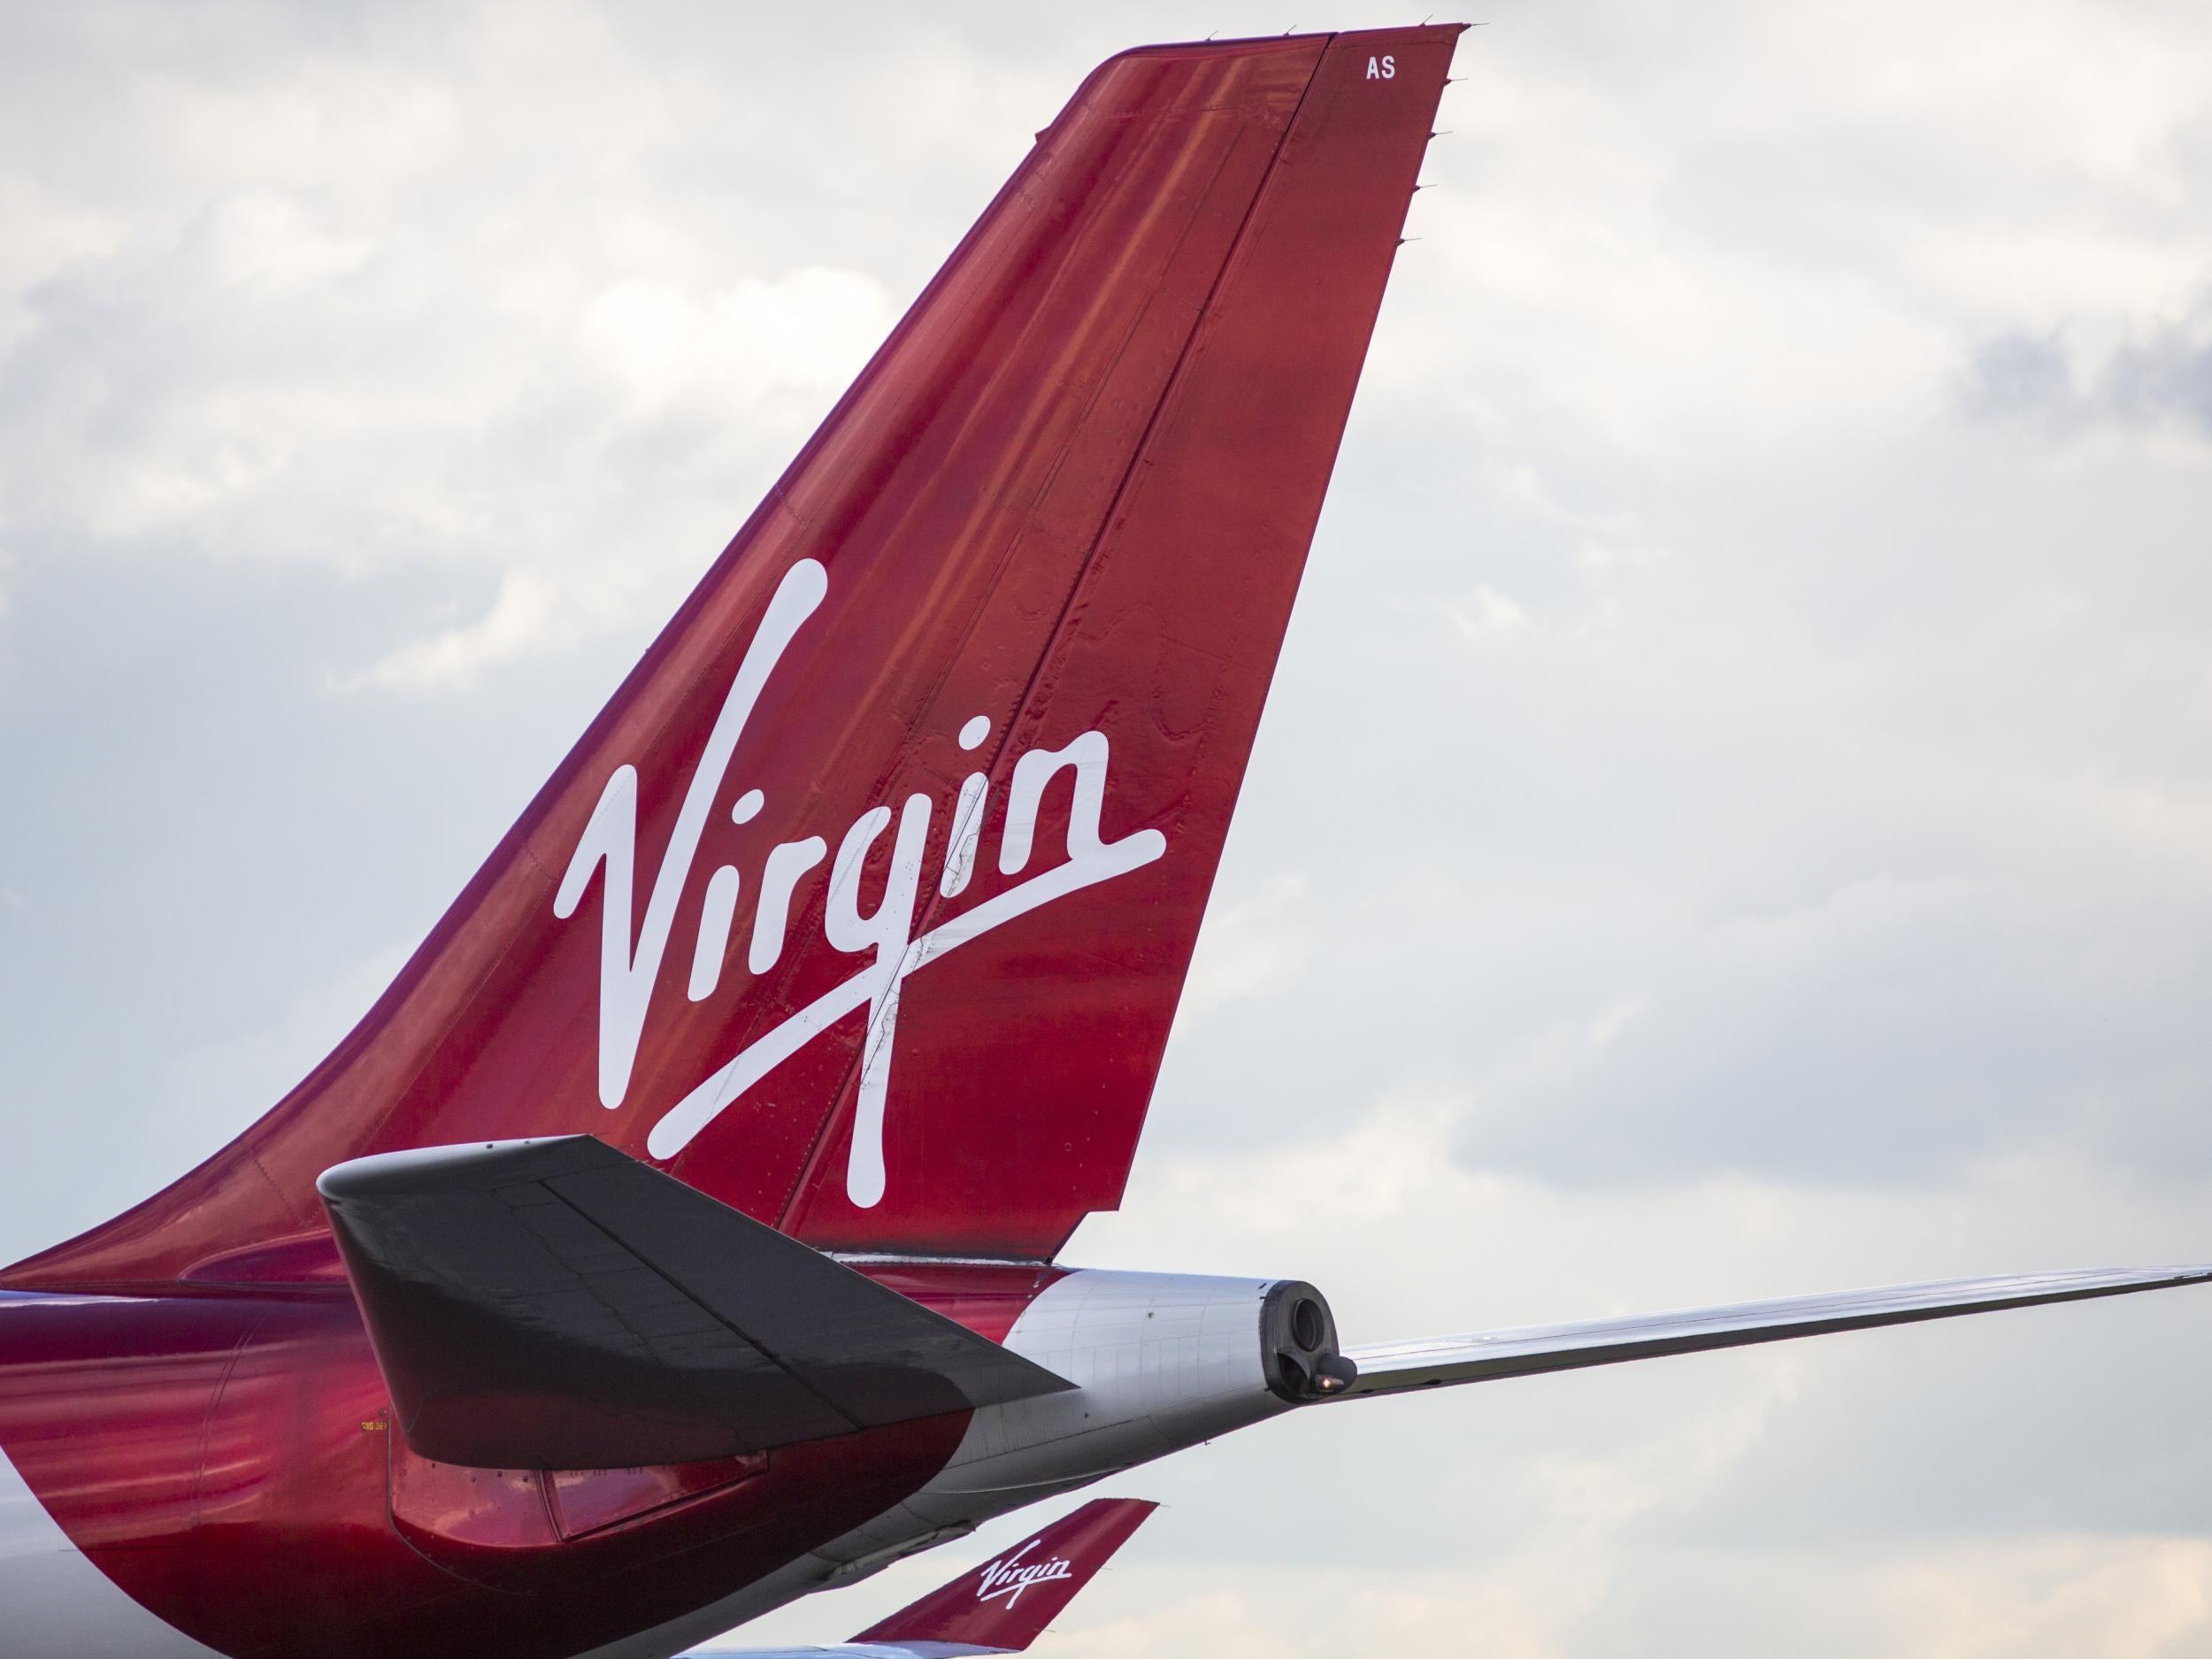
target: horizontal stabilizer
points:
(1481, 1356)
(556, 1304)
(1003, 1606)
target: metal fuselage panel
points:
(225, 1463)
(210, 1471)
(1162, 1362)
(1024, 592)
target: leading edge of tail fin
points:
(865, 903)
(1005, 1604)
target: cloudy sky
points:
(1734, 817)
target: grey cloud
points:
(2163, 379)
(2019, 375)
(2169, 375)
(1723, 824)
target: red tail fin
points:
(1006, 1603)
(865, 903)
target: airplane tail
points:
(864, 905)
(1005, 1604)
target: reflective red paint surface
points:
(1064, 511)
(1059, 499)
(1008, 1601)
(226, 1460)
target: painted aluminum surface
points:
(1007, 1602)
(225, 1462)
(56, 1604)
(553, 1305)
(1163, 1361)
(1524, 1350)
(865, 904)
(966, 703)
(862, 908)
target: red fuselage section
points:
(225, 1456)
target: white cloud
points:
(2121, 1599)
(1486, 616)
(496, 321)
(1804, 880)
(739, 345)
(1249, 947)
(526, 616)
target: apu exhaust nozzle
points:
(1298, 1346)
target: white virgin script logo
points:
(627, 975)
(1006, 1576)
